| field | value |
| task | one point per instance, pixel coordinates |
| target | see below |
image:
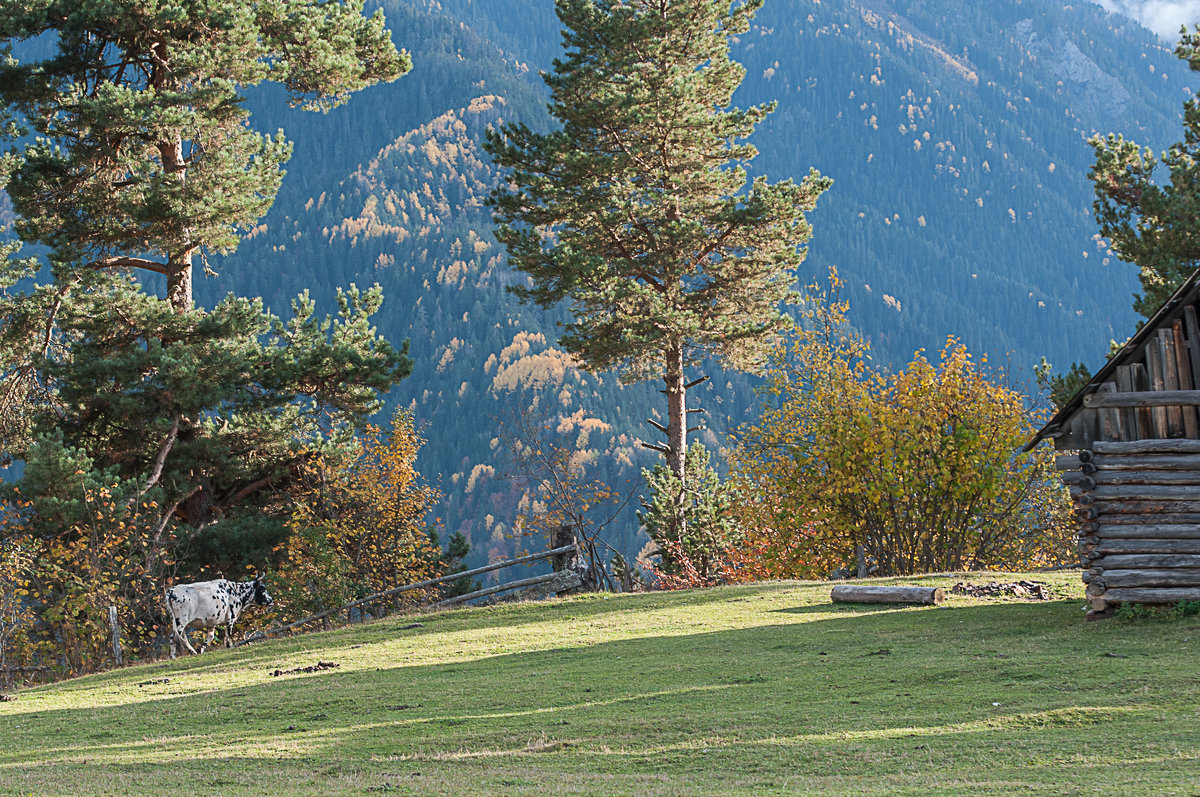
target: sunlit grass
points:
(744, 690)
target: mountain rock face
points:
(1093, 91)
(956, 134)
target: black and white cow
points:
(208, 604)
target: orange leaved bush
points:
(361, 529)
(916, 471)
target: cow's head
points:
(261, 596)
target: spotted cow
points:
(208, 604)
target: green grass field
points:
(760, 689)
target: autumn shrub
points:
(361, 528)
(58, 583)
(16, 615)
(916, 471)
(551, 464)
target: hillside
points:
(763, 689)
(955, 134)
(956, 137)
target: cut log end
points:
(856, 593)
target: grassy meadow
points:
(758, 689)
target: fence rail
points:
(7, 673)
(388, 593)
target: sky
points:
(1161, 16)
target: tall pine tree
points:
(637, 210)
(143, 161)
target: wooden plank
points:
(1184, 546)
(1149, 447)
(568, 579)
(1184, 367)
(1149, 531)
(1109, 419)
(1152, 398)
(1158, 518)
(1083, 429)
(1145, 415)
(1147, 595)
(1143, 561)
(1129, 423)
(1166, 342)
(1146, 507)
(1146, 492)
(1154, 366)
(1146, 477)
(1157, 462)
(1067, 462)
(1192, 327)
(864, 593)
(1071, 477)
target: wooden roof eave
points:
(1054, 427)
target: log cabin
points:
(1129, 451)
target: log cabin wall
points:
(1139, 510)
(1130, 455)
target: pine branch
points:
(129, 262)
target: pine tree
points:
(144, 162)
(1150, 222)
(144, 158)
(637, 210)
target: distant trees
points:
(893, 474)
(636, 209)
(1150, 222)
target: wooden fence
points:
(560, 580)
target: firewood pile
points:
(1029, 590)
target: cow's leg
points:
(208, 640)
(179, 636)
(229, 635)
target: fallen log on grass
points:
(856, 593)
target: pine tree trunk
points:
(179, 283)
(677, 432)
(179, 265)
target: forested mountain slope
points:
(955, 133)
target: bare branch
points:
(160, 460)
(129, 262)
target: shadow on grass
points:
(945, 672)
(507, 615)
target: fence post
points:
(116, 635)
(563, 535)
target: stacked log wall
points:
(1139, 507)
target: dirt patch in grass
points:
(320, 666)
